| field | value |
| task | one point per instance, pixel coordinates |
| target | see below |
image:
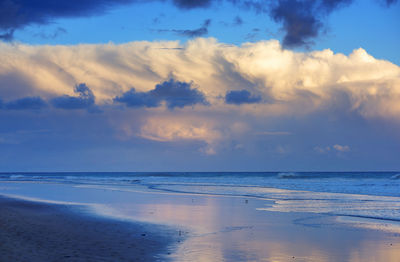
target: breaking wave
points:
(396, 176)
(289, 175)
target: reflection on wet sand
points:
(232, 229)
(371, 251)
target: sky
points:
(206, 85)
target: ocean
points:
(374, 195)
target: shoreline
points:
(219, 228)
(33, 231)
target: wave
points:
(396, 176)
(195, 175)
(367, 183)
(289, 175)
(16, 176)
(386, 208)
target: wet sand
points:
(32, 232)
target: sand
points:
(32, 232)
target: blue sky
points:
(184, 85)
(368, 24)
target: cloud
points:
(294, 82)
(173, 129)
(322, 150)
(237, 21)
(178, 94)
(318, 86)
(253, 34)
(303, 20)
(241, 97)
(341, 148)
(157, 19)
(274, 133)
(309, 94)
(26, 103)
(336, 147)
(201, 31)
(390, 2)
(84, 100)
(190, 4)
(17, 14)
(59, 31)
(174, 93)
(132, 98)
(7, 35)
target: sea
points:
(370, 195)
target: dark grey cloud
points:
(16, 14)
(390, 2)
(237, 21)
(56, 33)
(132, 98)
(303, 19)
(258, 6)
(253, 34)
(157, 19)
(26, 103)
(84, 100)
(174, 93)
(7, 35)
(179, 94)
(190, 4)
(201, 31)
(238, 97)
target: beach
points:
(205, 217)
(37, 232)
